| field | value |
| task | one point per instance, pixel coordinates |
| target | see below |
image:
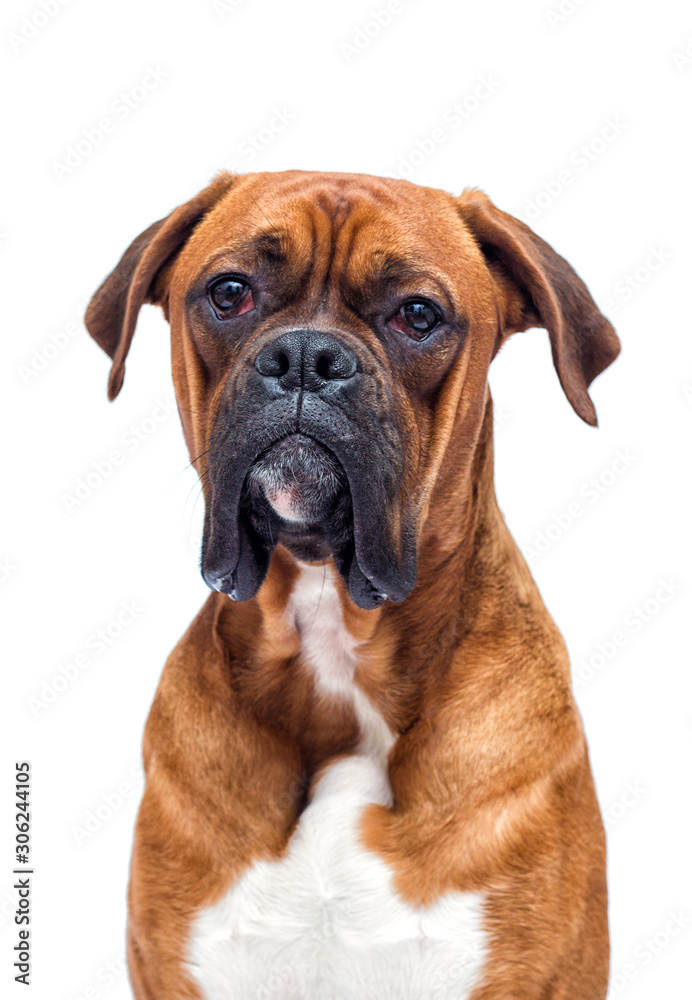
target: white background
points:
(134, 538)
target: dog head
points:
(331, 338)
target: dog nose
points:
(306, 359)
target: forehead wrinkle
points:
(383, 270)
(311, 248)
(270, 246)
(394, 268)
(323, 220)
(283, 250)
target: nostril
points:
(273, 363)
(323, 366)
(334, 364)
(282, 364)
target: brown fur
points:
(490, 773)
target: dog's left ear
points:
(111, 316)
(537, 287)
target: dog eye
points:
(231, 296)
(417, 318)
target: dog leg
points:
(536, 854)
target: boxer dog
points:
(366, 776)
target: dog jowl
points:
(331, 341)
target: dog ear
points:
(111, 316)
(537, 287)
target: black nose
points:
(305, 359)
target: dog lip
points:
(296, 435)
(221, 583)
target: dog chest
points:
(325, 922)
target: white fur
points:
(325, 922)
(330, 650)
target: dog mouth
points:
(297, 493)
(318, 484)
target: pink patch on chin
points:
(285, 504)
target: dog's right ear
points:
(111, 316)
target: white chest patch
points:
(325, 922)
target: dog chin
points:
(297, 491)
(299, 478)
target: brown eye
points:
(231, 296)
(417, 318)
